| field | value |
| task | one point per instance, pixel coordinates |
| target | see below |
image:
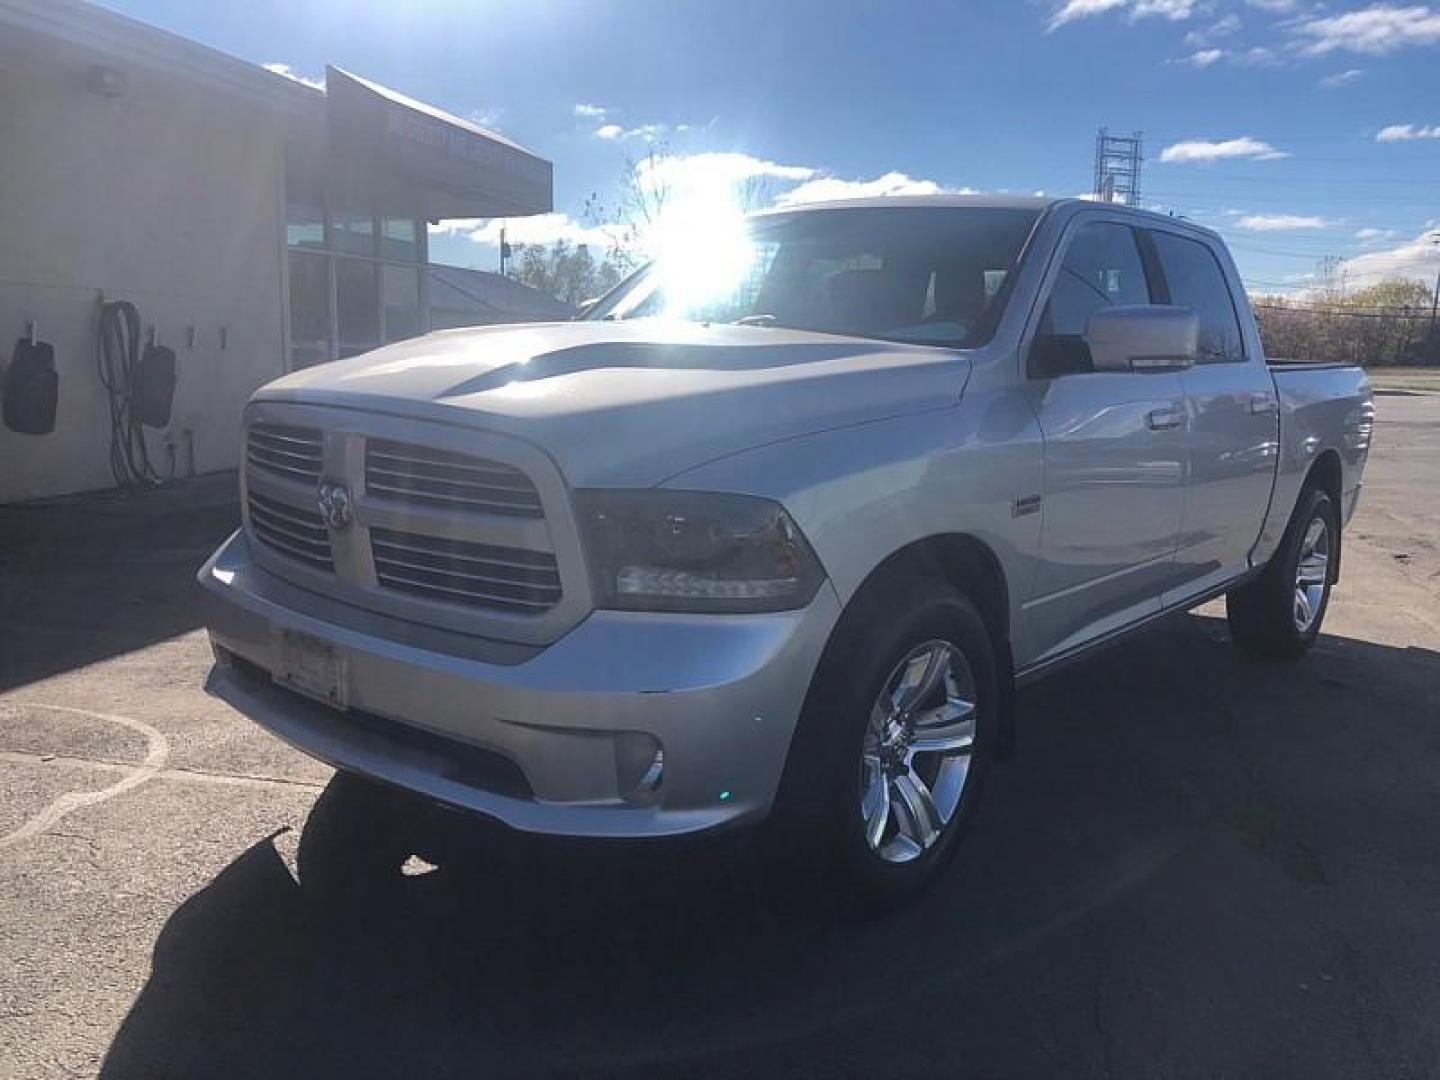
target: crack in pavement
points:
(181, 774)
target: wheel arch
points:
(1327, 473)
(968, 564)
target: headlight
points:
(657, 550)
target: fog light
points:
(639, 764)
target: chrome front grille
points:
(428, 476)
(293, 531)
(463, 572)
(468, 531)
(296, 453)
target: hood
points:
(632, 403)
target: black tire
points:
(1263, 613)
(817, 829)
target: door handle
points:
(1262, 404)
(1164, 419)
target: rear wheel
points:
(1278, 615)
(896, 736)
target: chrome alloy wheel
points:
(1311, 574)
(916, 754)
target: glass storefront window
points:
(357, 305)
(354, 279)
(402, 302)
(309, 309)
(353, 234)
(398, 241)
(304, 226)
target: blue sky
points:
(1298, 129)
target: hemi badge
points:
(1030, 504)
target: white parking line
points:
(157, 753)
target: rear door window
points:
(1196, 281)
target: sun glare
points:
(702, 250)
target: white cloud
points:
(1256, 56)
(1071, 10)
(1273, 5)
(536, 229)
(1218, 29)
(825, 188)
(644, 132)
(704, 179)
(1369, 236)
(1407, 133)
(286, 71)
(1340, 78)
(1200, 150)
(715, 170)
(1375, 30)
(611, 129)
(1081, 9)
(1175, 10)
(1280, 222)
(1203, 58)
(1417, 258)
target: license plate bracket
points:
(312, 667)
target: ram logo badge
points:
(336, 506)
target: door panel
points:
(1234, 422)
(1234, 447)
(1114, 458)
(1113, 497)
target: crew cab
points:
(772, 532)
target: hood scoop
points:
(657, 356)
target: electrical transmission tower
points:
(1331, 271)
(1117, 167)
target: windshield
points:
(931, 275)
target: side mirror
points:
(1148, 337)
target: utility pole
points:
(504, 251)
(1117, 166)
(1435, 304)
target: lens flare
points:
(702, 250)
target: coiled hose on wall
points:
(118, 357)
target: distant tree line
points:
(566, 271)
(1385, 324)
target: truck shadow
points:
(1153, 787)
(138, 551)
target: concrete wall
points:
(170, 197)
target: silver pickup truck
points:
(774, 531)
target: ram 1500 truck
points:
(772, 532)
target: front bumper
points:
(456, 719)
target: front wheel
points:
(1278, 615)
(895, 738)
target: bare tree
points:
(565, 271)
(1388, 323)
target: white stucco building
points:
(256, 222)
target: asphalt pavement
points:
(1195, 865)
